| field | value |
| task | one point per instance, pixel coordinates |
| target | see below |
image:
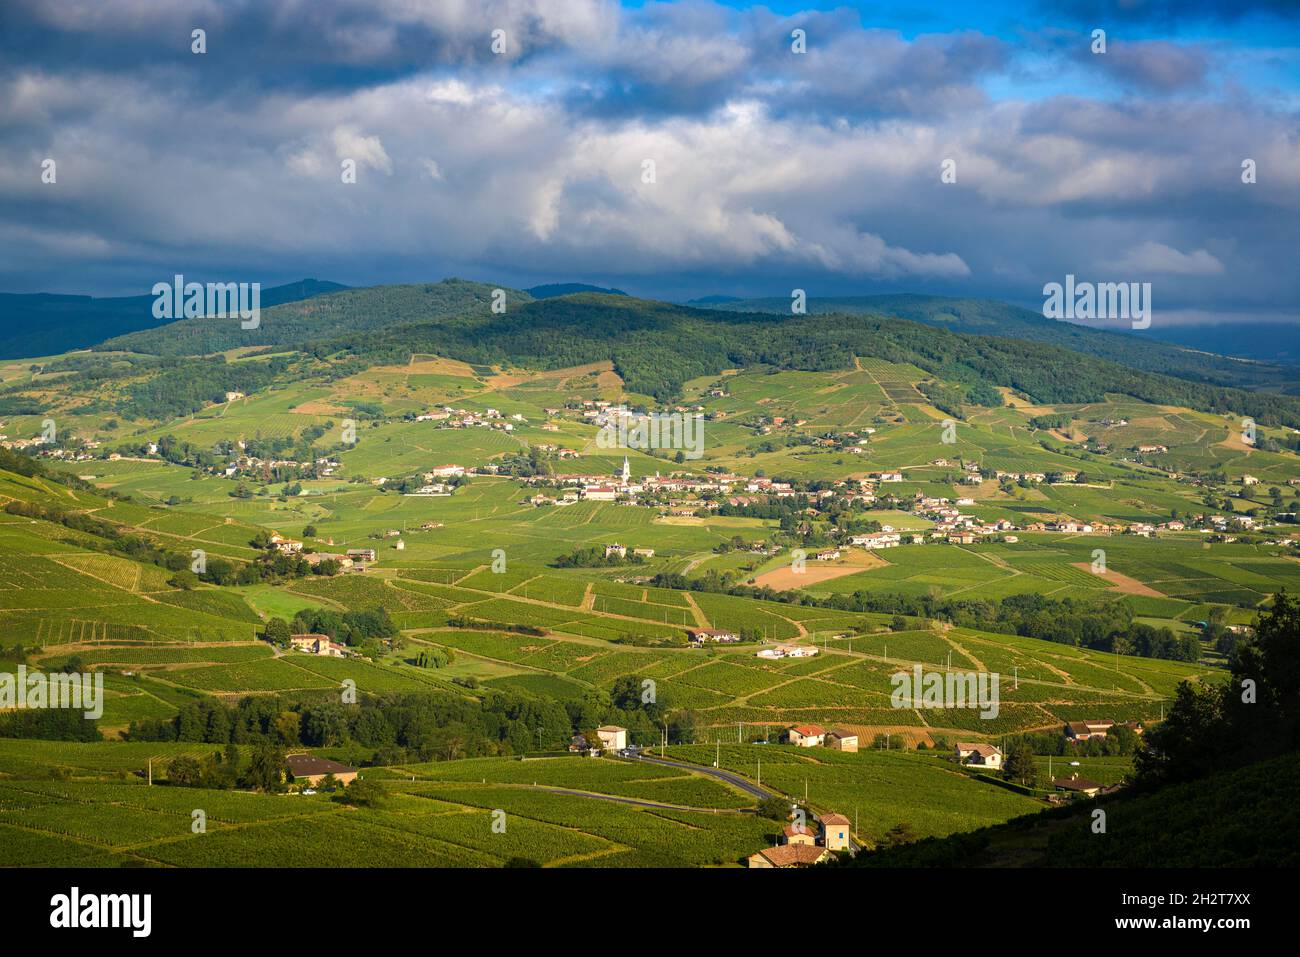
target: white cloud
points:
(369, 151)
(1153, 257)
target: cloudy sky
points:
(772, 169)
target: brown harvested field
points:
(605, 377)
(1015, 402)
(432, 365)
(1129, 586)
(786, 578)
(318, 407)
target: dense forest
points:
(325, 316)
(990, 317)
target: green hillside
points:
(992, 318)
(43, 324)
(323, 317)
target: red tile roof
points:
(809, 730)
(794, 855)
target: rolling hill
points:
(992, 318)
(44, 324)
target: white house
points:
(807, 735)
(612, 737)
(979, 755)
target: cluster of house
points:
(448, 417)
(703, 636)
(257, 467)
(815, 736)
(801, 845)
(622, 487)
(354, 560)
(786, 651)
(615, 550)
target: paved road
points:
(746, 785)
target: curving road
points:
(746, 785)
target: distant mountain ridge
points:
(550, 290)
(42, 324)
(993, 318)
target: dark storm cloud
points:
(771, 169)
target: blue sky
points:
(772, 169)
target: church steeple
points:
(627, 470)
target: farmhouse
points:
(361, 554)
(1083, 730)
(702, 635)
(315, 558)
(446, 471)
(308, 769)
(787, 651)
(616, 551)
(841, 740)
(314, 644)
(1077, 785)
(979, 755)
(789, 855)
(612, 737)
(798, 834)
(835, 832)
(807, 735)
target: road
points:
(746, 785)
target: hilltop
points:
(43, 324)
(993, 318)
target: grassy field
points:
(561, 634)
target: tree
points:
(1020, 766)
(277, 632)
(185, 772)
(901, 833)
(775, 808)
(265, 768)
(183, 579)
(231, 763)
(1253, 716)
(363, 793)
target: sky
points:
(672, 150)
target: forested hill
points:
(658, 346)
(298, 324)
(43, 324)
(989, 317)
